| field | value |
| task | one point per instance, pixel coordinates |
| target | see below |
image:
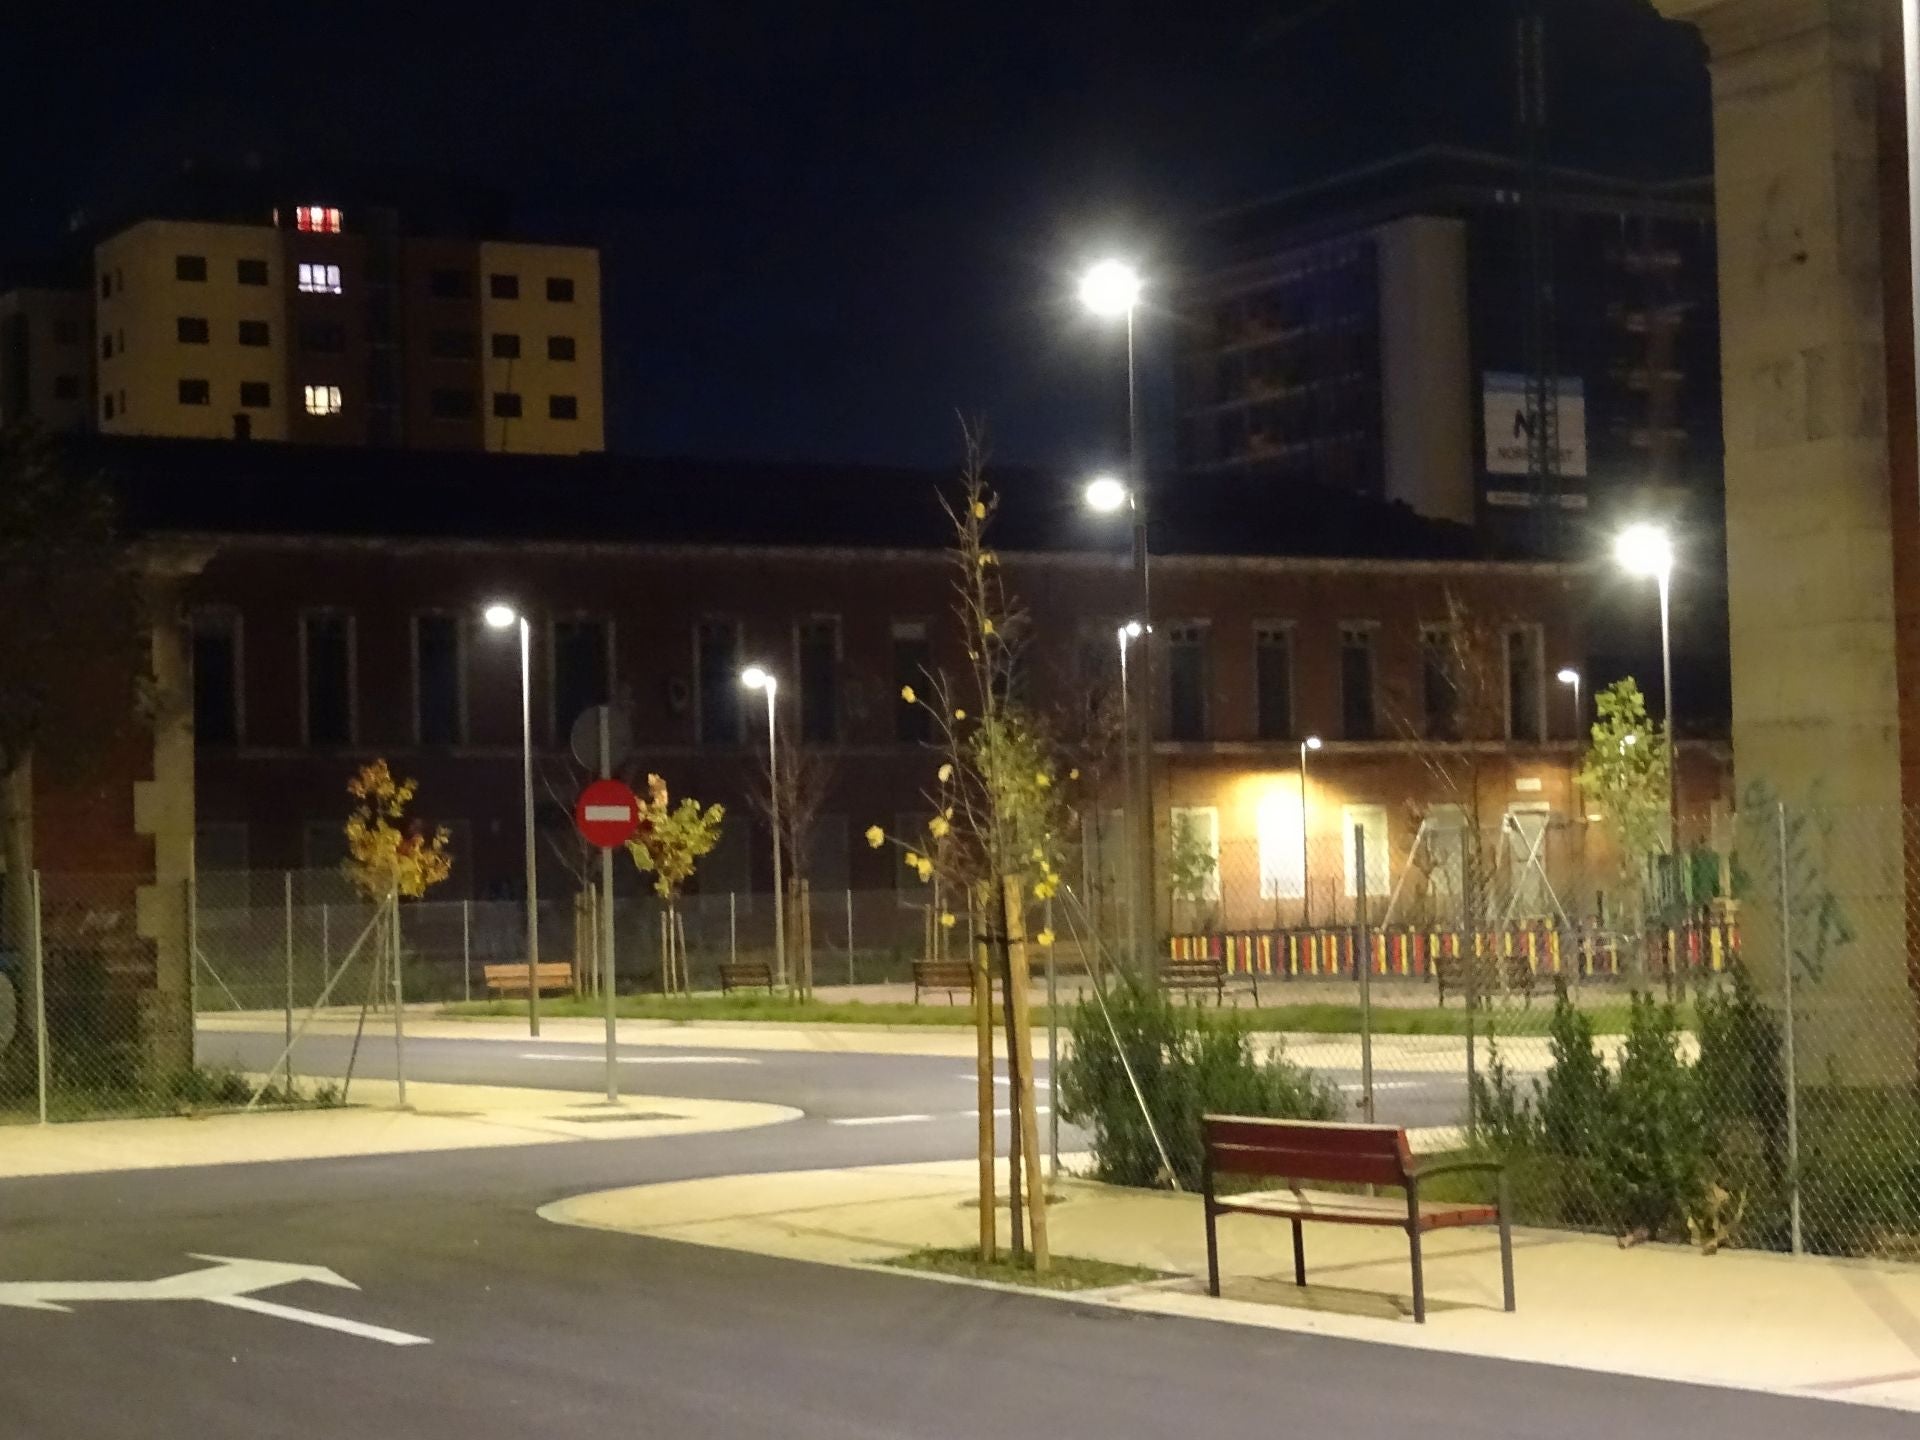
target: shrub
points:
(1741, 1082)
(1652, 1147)
(1188, 1062)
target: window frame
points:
(235, 623)
(508, 351)
(563, 407)
(556, 342)
(1371, 630)
(561, 729)
(460, 660)
(1196, 635)
(266, 392)
(835, 723)
(330, 400)
(265, 332)
(316, 277)
(510, 290)
(1264, 633)
(700, 627)
(560, 289)
(1382, 869)
(244, 269)
(307, 614)
(204, 391)
(1535, 634)
(192, 330)
(185, 265)
(1211, 815)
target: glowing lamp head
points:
(500, 615)
(755, 677)
(1644, 550)
(1568, 676)
(1312, 742)
(1105, 494)
(1132, 630)
(1110, 288)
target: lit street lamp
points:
(501, 616)
(1312, 742)
(1570, 676)
(1647, 551)
(757, 677)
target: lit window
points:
(321, 219)
(323, 399)
(320, 279)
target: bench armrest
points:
(1424, 1173)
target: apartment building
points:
(45, 337)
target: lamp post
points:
(1570, 676)
(1126, 633)
(758, 677)
(501, 616)
(1647, 550)
(1312, 742)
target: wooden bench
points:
(947, 975)
(1206, 972)
(745, 975)
(511, 979)
(1488, 972)
(1297, 1150)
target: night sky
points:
(829, 225)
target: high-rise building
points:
(45, 337)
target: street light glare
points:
(1644, 550)
(1568, 676)
(1313, 742)
(1105, 494)
(1110, 288)
(500, 615)
(1131, 629)
(755, 677)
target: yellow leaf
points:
(876, 837)
(979, 510)
(1074, 774)
(1044, 939)
(938, 827)
(986, 627)
(959, 714)
(906, 694)
(947, 921)
(1042, 779)
(946, 774)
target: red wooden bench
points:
(1297, 1150)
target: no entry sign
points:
(607, 813)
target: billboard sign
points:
(1510, 421)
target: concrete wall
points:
(1427, 374)
(534, 375)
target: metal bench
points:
(511, 979)
(745, 975)
(1488, 974)
(1297, 1150)
(947, 975)
(1206, 972)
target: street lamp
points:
(1647, 550)
(1570, 676)
(501, 616)
(1312, 742)
(757, 677)
(1106, 494)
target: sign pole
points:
(606, 916)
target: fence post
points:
(191, 887)
(39, 962)
(1053, 1054)
(850, 979)
(1470, 960)
(1363, 968)
(733, 927)
(466, 949)
(399, 1006)
(286, 886)
(326, 942)
(1786, 995)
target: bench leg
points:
(1419, 1280)
(1213, 1253)
(1506, 1245)
(1299, 1255)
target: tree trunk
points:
(983, 1089)
(1026, 1118)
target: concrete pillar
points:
(163, 810)
(1797, 149)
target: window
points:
(251, 272)
(1526, 701)
(506, 346)
(1194, 833)
(506, 404)
(216, 677)
(503, 287)
(450, 344)
(323, 844)
(321, 339)
(1356, 682)
(106, 285)
(825, 863)
(66, 332)
(106, 407)
(1187, 682)
(1371, 820)
(1273, 682)
(1282, 842)
(560, 288)
(717, 678)
(196, 392)
(912, 668)
(1445, 860)
(319, 279)
(451, 404)
(326, 652)
(1440, 682)
(563, 407)
(439, 714)
(450, 284)
(220, 846)
(190, 267)
(254, 332)
(581, 669)
(560, 347)
(66, 387)
(190, 330)
(106, 346)
(319, 219)
(817, 647)
(255, 395)
(323, 399)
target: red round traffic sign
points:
(607, 813)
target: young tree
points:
(668, 845)
(1625, 779)
(791, 803)
(1191, 867)
(389, 854)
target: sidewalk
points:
(437, 1117)
(1833, 1329)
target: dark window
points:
(912, 669)
(563, 407)
(323, 339)
(216, 679)
(66, 332)
(1187, 682)
(255, 394)
(106, 285)
(559, 287)
(450, 284)
(190, 267)
(450, 344)
(1440, 683)
(818, 643)
(1525, 703)
(1273, 682)
(580, 676)
(506, 404)
(436, 678)
(380, 318)
(254, 332)
(196, 392)
(106, 407)
(504, 287)
(66, 387)
(451, 404)
(106, 346)
(382, 387)
(252, 272)
(717, 677)
(190, 330)
(329, 678)
(506, 346)
(1356, 682)
(560, 347)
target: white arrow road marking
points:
(601, 1059)
(229, 1280)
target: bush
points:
(1741, 1081)
(1652, 1146)
(1188, 1062)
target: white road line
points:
(1038, 1084)
(1356, 1087)
(314, 1317)
(881, 1120)
(1038, 1110)
(646, 1059)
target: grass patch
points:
(1067, 1272)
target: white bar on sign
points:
(609, 812)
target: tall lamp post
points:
(758, 677)
(1312, 742)
(1127, 633)
(501, 616)
(1647, 550)
(1570, 676)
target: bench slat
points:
(1355, 1209)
